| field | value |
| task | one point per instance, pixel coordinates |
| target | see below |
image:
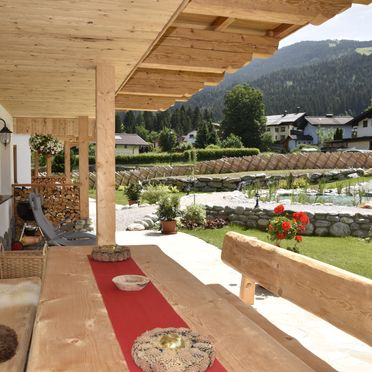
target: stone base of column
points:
(111, 253)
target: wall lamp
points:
(5, 134)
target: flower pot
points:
(168, 227)
(132, 201)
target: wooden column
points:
(49, 159)
(84, 166)
(105, 154)
(36, 164)
(67, 151)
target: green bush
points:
(165, 157)
(194, 216)
(169, 207)
(300, 183)
(133, 191)
(152, 194)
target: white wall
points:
(362, 131)
(312, 130)
(6, 175)
(23, 157)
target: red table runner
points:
(132, 313)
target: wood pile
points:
(61, 203)
(52, 180)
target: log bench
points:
(335, 295)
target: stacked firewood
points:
(61, 203)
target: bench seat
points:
(18, 302)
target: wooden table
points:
(73, 332)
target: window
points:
(191, 136)
(282, 137)
(365, 123)
(267, 129)
(125, 146)
(276, 138)
(282, 129)
(276, 130)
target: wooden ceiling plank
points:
(281, 11)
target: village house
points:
(129, 144)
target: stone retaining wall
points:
(321, 224)
(210, 183)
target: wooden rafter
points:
(222, 23)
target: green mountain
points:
(318, 76)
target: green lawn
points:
(350, 181)
(348, 253)
(119, 196)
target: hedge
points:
(186, 156)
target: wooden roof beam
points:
(159, 87)
(124, 102)
(291, 12)
(178, 77)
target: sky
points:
(353, 24)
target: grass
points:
(349, 181)
(120, 198)
(364, 51)
(351, 254)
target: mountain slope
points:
(339, 69)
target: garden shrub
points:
(194, 216)
(165, 157)
(152, 194)
(300, 183)
(215, 223)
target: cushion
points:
(8, 343)
(18, 301)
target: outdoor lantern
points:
(257, 196)
(5, 134)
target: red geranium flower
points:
(270, 227)
(280, 236)
(300, 228)
(286, 225)
(302, 217)
(298, 238)
(279, 209)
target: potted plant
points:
(133, 192)
(168, 211)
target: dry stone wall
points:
(321, 224)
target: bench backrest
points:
(339, 297)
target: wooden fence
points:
(317, 160)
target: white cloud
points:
(353, 24)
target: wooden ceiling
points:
(211, 37)
(163, 51)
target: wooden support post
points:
(36, 164)
(84, 166)
(49, 159)
(105, 154)
(67, 151)
(247, 290)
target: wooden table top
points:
(73, 331)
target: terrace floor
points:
(340, 350)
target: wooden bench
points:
(335, 295)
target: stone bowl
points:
(130, 282)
